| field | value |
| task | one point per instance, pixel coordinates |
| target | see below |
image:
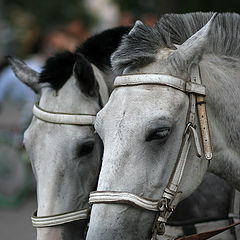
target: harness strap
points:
(159, 79)
(59, 219)
(123, 197)
(63, 118)
(209, 234)
(202, 114)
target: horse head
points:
(155, 129)
(64, 149)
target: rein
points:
(166, 205)
(68, 119)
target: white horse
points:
(64, 150)
(156, 147)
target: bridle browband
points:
(196, 92)
(68, 119)
(63, 118)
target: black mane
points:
(58, 69)
(97, 50)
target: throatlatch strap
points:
(59, 219)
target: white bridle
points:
(170, 198)
(68, 119)
(61, 118)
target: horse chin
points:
(120, 222)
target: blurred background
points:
(33, 31)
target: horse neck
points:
(220, 75)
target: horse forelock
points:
(59, 68)
(141, 46)
(95, 50)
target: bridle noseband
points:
(196, 92)
(58, 219)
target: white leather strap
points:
(123, 197)
(159, 79)
(63, 118)
(54, 220)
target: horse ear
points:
(24, 73)
(193, 48)
(137, 24)
(84, 74)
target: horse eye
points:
(85, 149)
(158, 134)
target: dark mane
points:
(97, 50)
(141, 46)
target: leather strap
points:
(123, 197)
(209, 234)
(159, 79)
(202, 114)
(59, 219)
(63, 118)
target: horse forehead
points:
(68, 99)
(146, 101)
